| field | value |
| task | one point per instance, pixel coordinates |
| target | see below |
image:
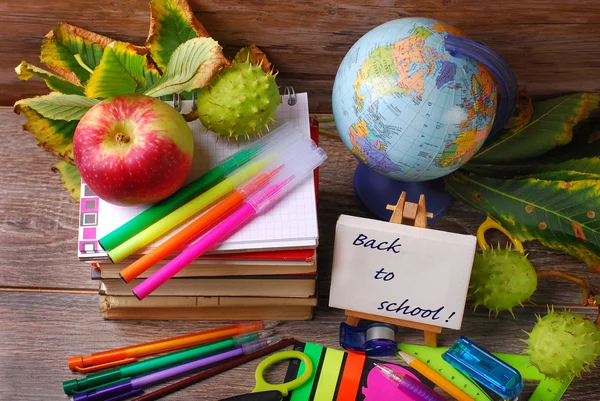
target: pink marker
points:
(300, 166)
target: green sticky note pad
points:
(303, 392)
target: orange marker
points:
(122, 356)
(202, 223)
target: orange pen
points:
(199, 225)
(122, 356)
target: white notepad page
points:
(292, 223)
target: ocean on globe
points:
(407, 108)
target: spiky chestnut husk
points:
(563, 344)
(501, 279)
(240, 101)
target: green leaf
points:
(561, 215)
(172, 23)
(551, 126)
(124, 69)
(523, 113)
(151, 75)
(579, 160)
(70, 177)
(192, 66)
(563, 175)
(255, 56)
(56, 136)
(57, 106)
(25, 71)
(63, 42)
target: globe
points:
(406, 107)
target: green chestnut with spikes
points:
(239, 102)
(501, 279)
(563, 344)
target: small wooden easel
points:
(413, 214)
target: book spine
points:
(213, 314)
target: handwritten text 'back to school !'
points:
(404, 308)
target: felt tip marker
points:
(293, 173)
(287, 133)
(208, 219)
(204, 200)
(133, 386)
(122, 356)
(213, 371)
(99, 379)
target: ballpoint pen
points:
(150, 365)
(413, 388)
(293, 173)
(132, 386)
(286, 132)
(125, 355)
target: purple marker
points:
(135, 386)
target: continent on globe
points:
(414, 60)
(477, 125)
(406, 107)
(379, 64)
(370, 153)
(446, 75)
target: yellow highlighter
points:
(196, 205)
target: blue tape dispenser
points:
(485, 368)
(377, 339)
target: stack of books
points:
(265, 271)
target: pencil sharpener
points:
(483, 367)
(377, 339)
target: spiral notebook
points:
(291, 224)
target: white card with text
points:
(401, 272)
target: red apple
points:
(133, 149)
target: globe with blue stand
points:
(414, 99)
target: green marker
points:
(88, 383)
(161, 209)
(188, 210)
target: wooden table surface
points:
(551, 45)
(49, 305)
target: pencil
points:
(435, 377)
(171, 388)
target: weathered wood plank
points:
(39, 332)
(551, 45)
(38, 221)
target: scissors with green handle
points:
(265, 391)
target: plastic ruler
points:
(547, 390)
